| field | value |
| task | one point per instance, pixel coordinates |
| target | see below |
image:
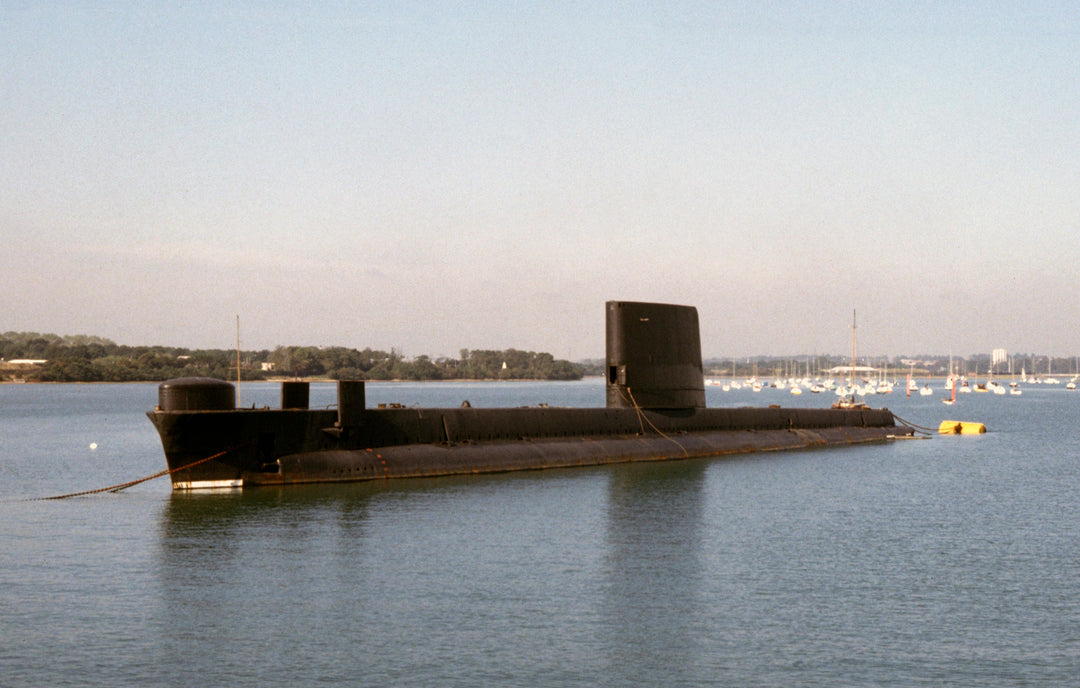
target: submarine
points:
(655, 411)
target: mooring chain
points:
(641, 416)
(124, 486)
(911, 425)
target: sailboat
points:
(951, 400)
(951, 386)
(851, 402)
(995, 387)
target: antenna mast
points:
(238, 402)
(851, 381)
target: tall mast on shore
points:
(238, 402)
(851, 376)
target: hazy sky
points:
(432, 177)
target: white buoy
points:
(93, 446)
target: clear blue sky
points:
(431, 177)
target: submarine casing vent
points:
(196, 394)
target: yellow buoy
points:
(960, 427)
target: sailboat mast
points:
(238, 402)
(851, 376)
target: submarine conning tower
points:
(653, 356)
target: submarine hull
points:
(207, 449)
(416, 461)
(655, 412)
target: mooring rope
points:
(928, 431)
(641, 416)
(637, 409)
(124, 486)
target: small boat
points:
(850, 403)
(847, 398)
(952, 386)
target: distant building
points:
(17, 368)
(998, 356)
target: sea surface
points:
(950, 561)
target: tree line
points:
(94, 359)
(340, 363)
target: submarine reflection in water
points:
(655, 411)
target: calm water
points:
(950, 561)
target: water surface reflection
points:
(654, 570)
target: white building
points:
(999, 356)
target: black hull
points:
(655, 411)
(274, 447)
